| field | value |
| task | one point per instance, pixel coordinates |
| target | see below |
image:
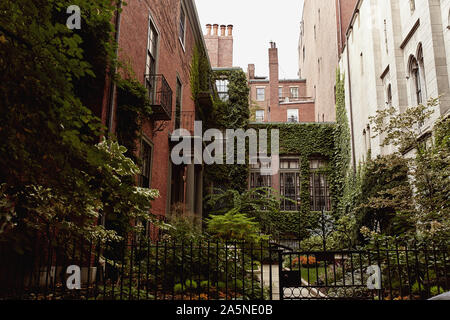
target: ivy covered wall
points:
(231, 114)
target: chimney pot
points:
(230, 30)
(208, 29)
(222, 30)
(215, 28)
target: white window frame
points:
(292, 112)
(261, 116)
(264, 93)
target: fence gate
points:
(325, 275)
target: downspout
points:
(351, 109)
(113, 88)
(341, 44)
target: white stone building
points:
(397, 53)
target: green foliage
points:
(133, 106)
(386, 198)
(54, 175)
(306, 141)
(429, 168)
(231, 114)
(234, 226)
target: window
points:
(280, 93)
(415, 75)
(304, 51)
(412, 5)
(258, 180)
(222, 89)
(260, 94)
(146, 156)
(290, 184)
(259, 115)
(294, 92)
(182, 25)
(385, 36)
(362, 63)
(389, 96)
(152, 44)
(178, 105)
(318, 186)
(448, 23)
(292, 115)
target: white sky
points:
(256, 23)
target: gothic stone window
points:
(318, 186)
(290, 184)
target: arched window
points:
(412, 5)
(448, 23)
(422, 71)
(389, 96)
(414, 73)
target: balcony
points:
(160, 95)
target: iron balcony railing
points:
(160, 95)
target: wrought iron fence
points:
(140, 269)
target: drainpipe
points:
(351, 109)
(112, 91)
(341, 44)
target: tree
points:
(429, 168)
(55, 176)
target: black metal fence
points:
(139, 269)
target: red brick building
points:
(157, 39)
(278, 100)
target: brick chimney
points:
(251, 71)
(273, 75)
(230, 30)
(220, 48)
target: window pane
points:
(260, 94)
(182, 24)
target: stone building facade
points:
(278, 100)
(157, 39)
(397, 54)
(322, 37)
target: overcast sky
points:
(256, 23)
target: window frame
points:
(182, 26)
(297, 95)
(146, 143)
(314, 205)
(283, 173)
(297, 118)
(223, 84)
(256, 115)
(263, 95)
